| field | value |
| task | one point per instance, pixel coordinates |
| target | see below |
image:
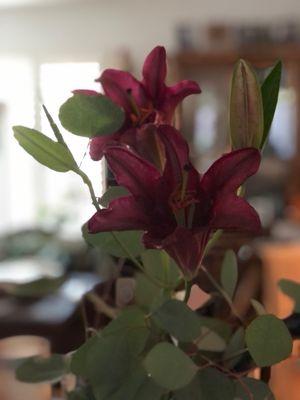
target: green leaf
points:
(258, 389)
(210, 341)
(169, 367)
(91, 116)
(178, 320)
(161, 268)
(38, 288)
(148, 295)
(209, 384)
(108, 244)
(41, 369)
(115, 354)
(258, 307)
(246, 108)
(112, 193)
(78, 365)
(268, 340)
(80, 394)
(235, 345)
(135, 386)
(229, 273)
(291, 289)
(218, 326)
(270, 90)
(46, 151)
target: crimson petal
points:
(122, 87)
(122, 214)
(233, 212)
(185, 247)
(181, 90)
(139, 176)
(155, 71)
(98, 144)
(229, 172)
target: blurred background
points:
(47, 49)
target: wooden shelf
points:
(258, 54)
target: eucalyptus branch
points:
(101, 306)
(223, 293)
(230, 373)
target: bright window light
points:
(31, 194)
(63, 196)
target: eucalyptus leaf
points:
(268, 340)
(258, 389)
(229, 273)
(108, 243)
(209, 384)
(270, 90)
(148, 295)
(116, 353)
(178, 320)
(91, 116)
(80, 394)
(42, 369)
(235, 345)
(135, 386)
(79, 358)
(169, 366)
(161, 268)
(112, 193)
(291, 289)
(46, 151)
(210, 341)
(216, 325)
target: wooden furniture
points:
(282, 260)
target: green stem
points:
(188, 288)
(236, 354)
(54, 127)
(223, 293)
(87, 181)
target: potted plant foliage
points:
(163, 215)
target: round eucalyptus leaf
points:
(91, 116)
(169, 366)
(268, 340)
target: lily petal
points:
(181, 90)
(98, 144)
(122, 87)
(139, 176)
(155, 71)
(185, 247)
(230, 171)
(233, 212)
(122, 214)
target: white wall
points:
(89, 28)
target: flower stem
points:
(223, 293)
(188, 288)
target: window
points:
(35, 195)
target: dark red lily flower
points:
(179, 208)
(147, 101)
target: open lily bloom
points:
(147, 101)
(179, 208)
